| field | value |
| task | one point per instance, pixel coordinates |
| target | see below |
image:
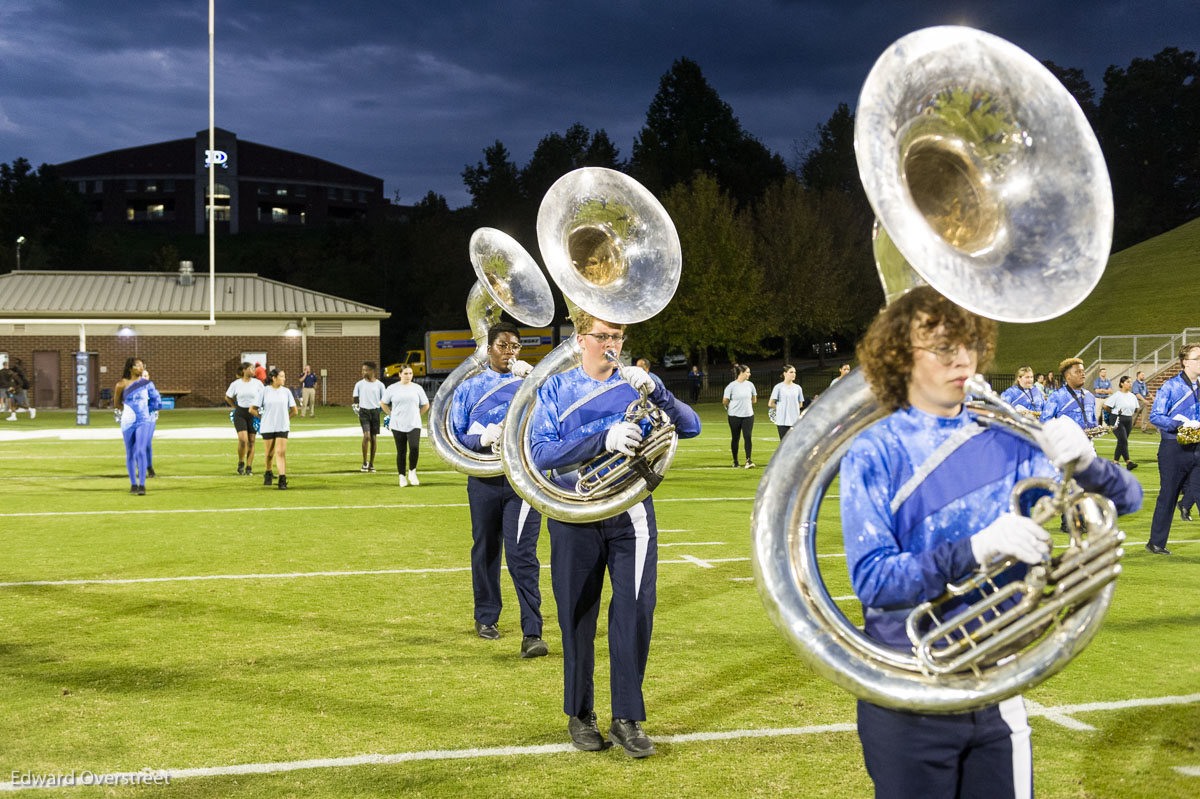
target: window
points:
(279, 215)
(169, 185)
(300, 191)
(264, 190)
(281, 191)
(97, 186)
(130, 185)
(220, 203)
(150, 186)
(154, 211)
(83, 187)
(362, 196)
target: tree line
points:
(777, 255)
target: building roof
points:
(140, 295)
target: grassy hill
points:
(1152, 287)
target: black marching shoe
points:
(248, 472)
(150, 472)
(488, 632)
(268, 478)
(283, 482)
(241, 468)
(532, 646)
(1130, 465)
(585, 735)
(133, 489)
(630, 736)
(1185, 513)
(141, 491)
(1157, 550)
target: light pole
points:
(20, 241)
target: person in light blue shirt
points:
(925, 502)
(134, 397)
(739, 399)
(501, 521)
(1176, 406)
(1072, 401)
(579, 415)
(1023, 394)
(1102, 389)
(1139, 390)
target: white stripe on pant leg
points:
(641, 530)
(521, 519)
(1012, 710)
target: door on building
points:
(45, 379)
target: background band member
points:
(1024, 395)
(786, 399)
(134, 397)
(578, 416)
(241, 395)
(1072, 400)
(739, 399)
(155, 406)
(275, 408)
(1176, 406)
(500, 519)
(405, 402)
(1124, 405)
(367, 395)
(925, 498)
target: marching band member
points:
(925, 498)
(1023, 395)
(578, 416)
(500, 519)
(136, 397)
(1176, 406)
(1072, 400)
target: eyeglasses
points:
(606, 338)
(504, 345)
(946, 353)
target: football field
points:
(220, 638)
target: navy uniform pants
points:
(1176, 463)
(627, 546)
(984, 754)
(502, 521)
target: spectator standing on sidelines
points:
(275, 408)
(1138, 389)
(308, 392)
(786, 399)
(7, 383)
(1102, 388)
(405, 402)
(843, 370)
(367, 394)
(18, 399)
(739, 399)
(1124, 405)
(644, 364)
(695, 382)
(260, 373)
(241, 395)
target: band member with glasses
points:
(739, 399)
(500, 520)
(1024, 395)
(925, 502)
(579, 416)
(1176, 407)
(1072, 401)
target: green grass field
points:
(339, 625)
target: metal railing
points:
(1131, 354)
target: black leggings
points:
(1124, 425)
(745, 426)
(413, 440)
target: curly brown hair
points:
(886, 351)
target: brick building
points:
(164, 186)
(287, 324)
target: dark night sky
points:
(413, 91)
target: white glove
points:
(1018, 536)
(1179, 417)
(491, 434)
(1190, 424)
(637, 377)
(354, 407)
(521, 368)
(1064, 442)
(623, 436)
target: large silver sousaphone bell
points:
(612, 249)
(984, 176)
(508, 280)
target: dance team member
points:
(275, 408)
(241, 395)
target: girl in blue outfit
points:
(925, 501)
(137, 399)
(1023, 395)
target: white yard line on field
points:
(21, 781)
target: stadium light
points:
(20, 241)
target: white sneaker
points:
(11, 418)
(403, 482)
(412, 477)
(33, 413)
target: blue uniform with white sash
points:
(1029, 399)
(137, 427)
(914, 489)
(500, 519)
(1078, 406)
(1176, 400)
(568, 428)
